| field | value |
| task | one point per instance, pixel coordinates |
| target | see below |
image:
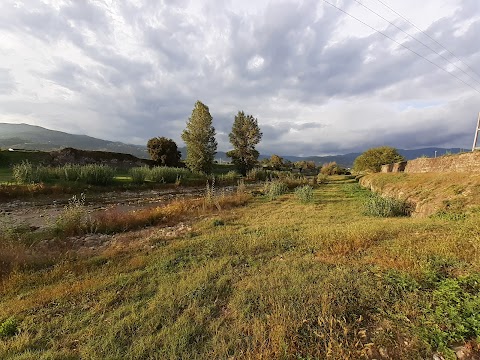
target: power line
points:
(431, 38)
(419, 41)
(402, 45)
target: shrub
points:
(218, 222)
(275, 188)
(304, 193)
(23, 173)
(322, 178)
(231, 175)
(241, 188)
(74, 219)
(376, 205)
(229, 178)
(71, 172)
(8, 328)
(373, 159)
(97, 174)
(292, 180)
(257, 175)
(139, 174)
(168, 175)
(330, 168)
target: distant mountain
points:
(347, 160)
(30, 137)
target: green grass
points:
(5, 175)
(9, 158)
(275, 280)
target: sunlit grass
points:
(277, 279)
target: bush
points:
(228, 178)
(71, 172)
(275, 188)
(8, 328)
(74, 219)
(168, 175)
(23, 173)
(139, 174)
(97, 174)
(377, 205)
(330, 168)
(373, 159)
(257, 175)
(304, 194)
(322, 179)
(26, 173)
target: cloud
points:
(317, 81)
(7, 83)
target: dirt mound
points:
(83, 157)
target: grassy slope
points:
(431, 192)
(278, 280)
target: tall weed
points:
(304, 194)
(379, 206)
(275, 188)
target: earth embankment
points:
(429, 193)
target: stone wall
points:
(397, 167)
(466, 162)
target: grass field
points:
(274, 280)
(5, 175)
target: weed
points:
(23, 173)
(304, 194)
(74, 219)
(454, 313)
(450, 215)
(377, 205)
(139, 174)
(275, 188)
(322, 178)
(257, 175)
(8, 328)
(26, 173)
(167, 175)
(218, 222)
(241, 188)
(229, 178)
(97, 174)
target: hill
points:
(30, 137)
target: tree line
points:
(199, 137)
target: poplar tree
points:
(244, 136)
(199, 136)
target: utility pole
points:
(476, 134)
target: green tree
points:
(163, 151)
(276, 162)
(244, 136)
(330, 168)
(305, 165)
(374, 158)
(199, 136)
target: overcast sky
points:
(318, 81)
